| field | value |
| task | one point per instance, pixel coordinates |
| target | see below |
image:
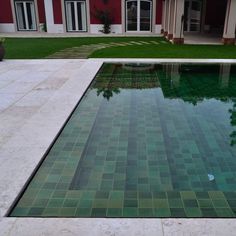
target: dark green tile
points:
(114, 212)
(161, 212)
(130, 212)
(145, 212)
(208, 212)
(193, 212)
(99, 212)
(177, 212)
(83, 212)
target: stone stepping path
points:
(84, 51)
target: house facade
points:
(173, 18)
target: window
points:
(76, 16)
(138, 15)
(25, 15)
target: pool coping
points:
(24, 148)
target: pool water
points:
(146, 140)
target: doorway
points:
(138, 15)
(192, 13)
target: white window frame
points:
(138, 16)
(83, 16)
(33, 13)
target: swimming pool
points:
(147, 140)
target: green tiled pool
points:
(146, 140)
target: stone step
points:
(84, 51)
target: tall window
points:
(76, 15)
(138, 15)
(25, 15)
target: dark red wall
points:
(5, 12)
(159, 12)
(113, 5)
(57, 11)
(215, 12)
(41, 11)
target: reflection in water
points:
(157, 135)
(233, 123)
(107, 92)
(192, 84)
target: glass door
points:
(76, 16)
(138, 15)
(192, 12)
(25, 15)
(132, 15)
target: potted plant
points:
(105, 18)
(2, 50)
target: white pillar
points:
(230, 23)
(166, 17)
(51, 27)
(178, 30)
(49, 15)
(163, 17)
(171, 19)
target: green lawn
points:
(169, 51)
(36, 48)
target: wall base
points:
(170, 36)
(55, 28)
(178, 40)
(7, 28)
(97, 29)
(228, 41)
(158, 29)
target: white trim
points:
(7, 28)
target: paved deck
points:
(202, 39)
(36, 97)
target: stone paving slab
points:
(85, 50)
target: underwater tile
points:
(141, 145)
(114, 212)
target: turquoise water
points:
(147, 140)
